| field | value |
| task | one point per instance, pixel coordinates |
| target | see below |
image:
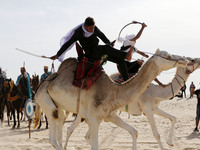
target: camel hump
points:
(52, 76)
(67, 63)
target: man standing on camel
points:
(87, 34)
(129, 47)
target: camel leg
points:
(59, 125)
(52, 134)
(173, 122)
(93, 124)
(149, 114)
(47, 125)
(119, 122)
(51, 112)
(71, 129)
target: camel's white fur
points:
(100, 101)
(149, 101)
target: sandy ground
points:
(112, 137)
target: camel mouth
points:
(193, 61)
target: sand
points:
(112, 137)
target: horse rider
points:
(87, 34)
(197, 92)
(45, 74)
(27, 77)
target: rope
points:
(172, 90)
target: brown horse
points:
(2, 99)
(17, 96)
(35, 82)
(4, 102)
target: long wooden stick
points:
(31, 53)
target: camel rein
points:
(177, 75)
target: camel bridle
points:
(187, 72)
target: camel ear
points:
(158, 51)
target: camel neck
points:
(135, 86)
(172, 88)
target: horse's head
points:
(35, 81)
(8, 85)
(22, 86)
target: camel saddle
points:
(87, 70)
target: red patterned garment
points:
(90, 71)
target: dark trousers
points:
(133, 67)
(114, 55)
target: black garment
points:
(86, 42)
(132, 67)
(114, 55)
(95, 51)
(197, 92)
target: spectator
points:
(197, 92)
(45, 74)
(192, 89)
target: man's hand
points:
(54, 57)
(113, 43)
(144, 25)
(143, 54)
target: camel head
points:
(163, 60)
(194, 63)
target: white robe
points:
(68, 36)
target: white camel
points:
(100, 101)
(149, 101)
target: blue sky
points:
(37, 26)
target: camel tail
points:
(38, 112)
